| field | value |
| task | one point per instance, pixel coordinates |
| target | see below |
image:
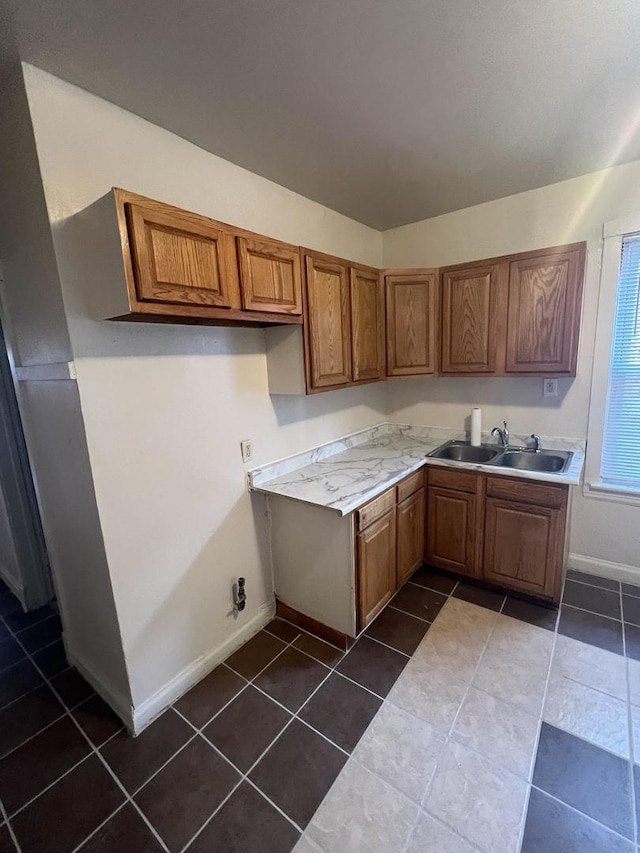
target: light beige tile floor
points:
(446, 764)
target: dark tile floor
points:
(581, 800)
(266, 734)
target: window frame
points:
(593, 487)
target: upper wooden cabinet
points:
(367, 324)
(327, 322)
(185, 268)
(412, 304)
(181, 258)
(543, 320)
(270, 276)
(470, 301)
(518, 314)
(344, 323)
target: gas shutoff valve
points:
(241, 595)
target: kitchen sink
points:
(552, 461)
(522, 459)
(462, 451)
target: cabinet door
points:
(182, 258)
(367, 325)
(470, 320)
(376, 567)
(270, 276)
(328, 323)
(411, 323)
(544, 313)
(523, 546)
(410, 529)
(451, 530)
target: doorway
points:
(24, 564)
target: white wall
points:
(36, 333)
(165, 407)
(566, 212)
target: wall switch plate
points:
(549, 387)
(246, 448)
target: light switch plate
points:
(246, 448)
(549, 387)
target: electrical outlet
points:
(246, 448)
(549, 387)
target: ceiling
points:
(388, 111)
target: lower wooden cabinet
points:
(514, 537)
(410, 527)
(524, 540)
(452, 526)
(389, 544)
(376, 546)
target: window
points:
(620, 462)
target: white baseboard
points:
(147, 711)
(604, 568)
(118, 703)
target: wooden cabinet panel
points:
(181, 258)
(328, 323)
(381, 505)
(543, 494)
(447, 478)
(412, 300)
(367, 325)
(470, 320)
(270, 276)
(451, 530)
(376, 553)
(410, 531)
(523, 546)
(410, 485)
(544, 307)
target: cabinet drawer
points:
(410, 485)
(376, 508)
(526, 491)
(449, 479)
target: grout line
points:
(594, 585)
(12, 835)
(400, 610)
(592, 612)
(99, 827)
(448, 735)
(95, 752)
(162, 766)
(387, 646)
(293, 716)
(31, 737)
(243, 778)
(50, 785)
(534, 755)
(361, 686)
(584, 814)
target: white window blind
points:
(621, 439)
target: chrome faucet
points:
(536, 443)
(502, 433)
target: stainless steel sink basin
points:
(552, 461)
(547, 461)
(462, 451)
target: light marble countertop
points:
(345, 474)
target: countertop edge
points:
(566, 479)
